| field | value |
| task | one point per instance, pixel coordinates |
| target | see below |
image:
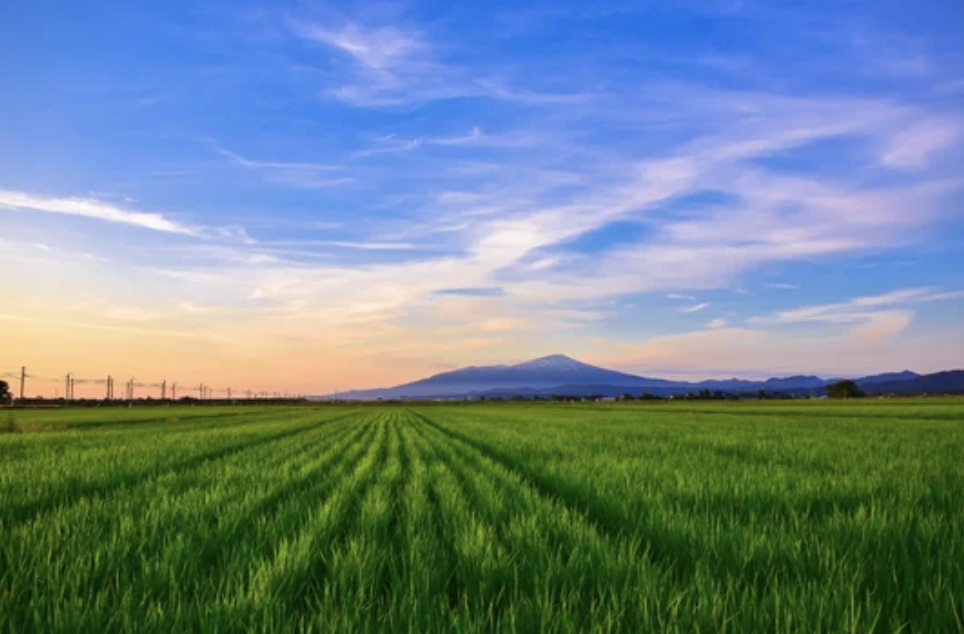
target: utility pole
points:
(173, 391)
(23, 379)
(67, 388)
(229, 394)
(130, 389)
(164, 390)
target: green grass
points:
(663, 517)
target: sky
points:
(313, 196)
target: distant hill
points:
(728, 385)
(562, 375)
(951, 382)
(891, 377)
(794, 383)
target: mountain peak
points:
(552, 362)
(555, 358)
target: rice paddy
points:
(684, 517)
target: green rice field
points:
(664, 517)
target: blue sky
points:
(366, 193)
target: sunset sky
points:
(318, 196)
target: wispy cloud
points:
(392, 65)
(474, 135)
(535, 98)
(871, 318)
(882, 326)
(381, 48)
(695, 309)
(911, 148)
(294, 174)
(276, 165)
(91, 208)
(744, 352)
(857, 309)
(392, 145)
(369, 246)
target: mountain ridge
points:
(559, 373)
(540, 373)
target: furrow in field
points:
(604, 518)
(178, 538)
(393, 544)
(59, 487)
(66, 457)
(273, 514)
(424, 563)
(183, 585)
(74, 492)
(405, 466)
(673, 549)
(101, 416)
(165, 417)
(66, 444)
(564, 561)
(115, 442)
(522, 554)
(764, 542)
(353, 584)
(268, 544)
(192, 425)
(477, 566)
(296, 567)
(551, 545)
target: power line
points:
(71, 380)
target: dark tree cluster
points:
(844, 389)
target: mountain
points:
(801, 383)
(951, 382)
(538, 374)
(890, 377)
(559, 374)
(729, 385)
(793, 383)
